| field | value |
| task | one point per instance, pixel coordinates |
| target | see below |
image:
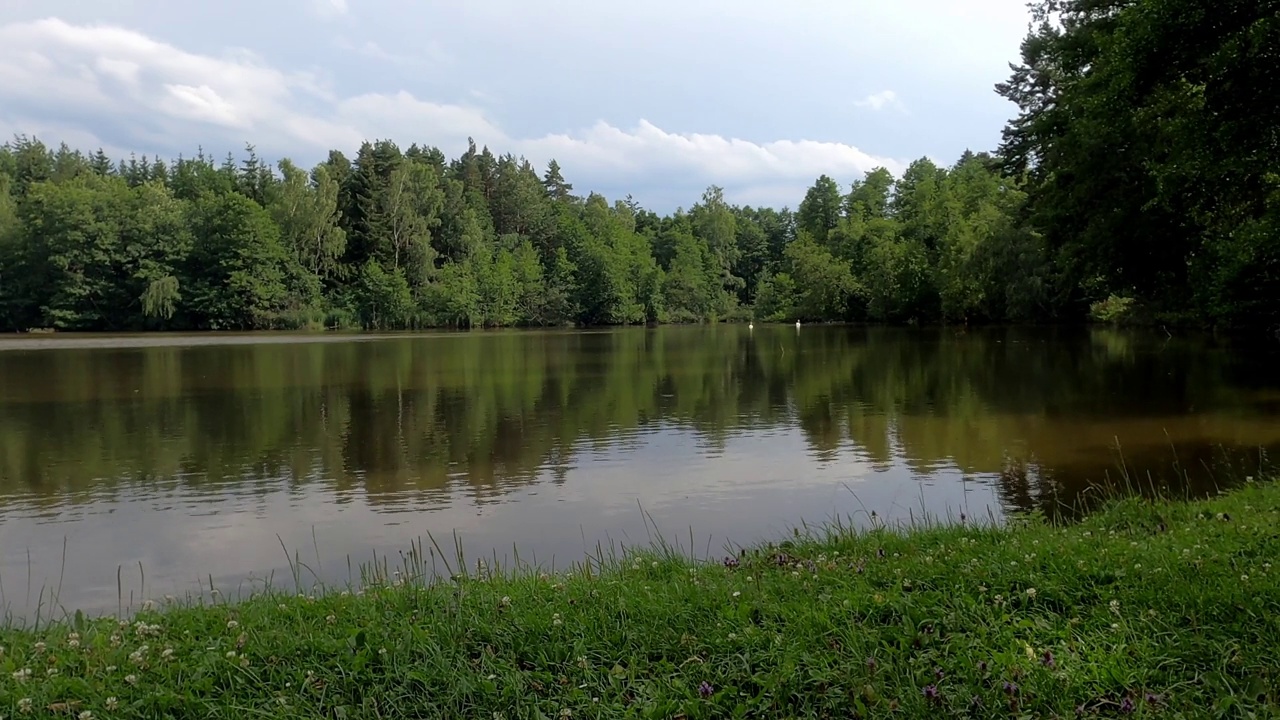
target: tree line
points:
(1137, 182)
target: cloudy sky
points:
(659, 98)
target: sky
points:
(657, 99)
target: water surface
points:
(196, 457)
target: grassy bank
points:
(1168, 610)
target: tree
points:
(306, 211)
(382, 299)
(716, 228)
(1146, 130)
(13, 292)
(556, 187)
(819, 212)
(689, 288)
(824, 284)
(238, 268)
(71, 239)
(868, 198)
(155, 242)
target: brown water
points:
(198, 456)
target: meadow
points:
(1149, 608)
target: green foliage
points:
(482, 241)
(238, 269)
(306, 211)
(72, 238)
(160, 298)
(1147, 131)
(12, 290)
(819, 212)
(776, 298)
(382, 299)
(962, 620)
(824, 285)
(1115, 309)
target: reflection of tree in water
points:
(484, 413)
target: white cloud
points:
(171, 99)
(881, 100)
(427, 53)
(647, 148)
(330, 8)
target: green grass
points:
(1156, 608)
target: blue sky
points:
(659, 99)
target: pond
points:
(147, 465)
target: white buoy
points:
(797, 324)
(751, 326)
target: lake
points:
(147, 465)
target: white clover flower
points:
(737, 594)
(506, 601)
(22, 675)
(24, 705)
(39, 647)
(86, 715)
(1031, 593)
(555, 619)
(131, 679)
(232, 624)
(1115, 606)
(231, 654)
(112, 703)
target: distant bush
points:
(1116, 310)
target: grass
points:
(1149, 608)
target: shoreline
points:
(1147, 606)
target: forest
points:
(1139, 181)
